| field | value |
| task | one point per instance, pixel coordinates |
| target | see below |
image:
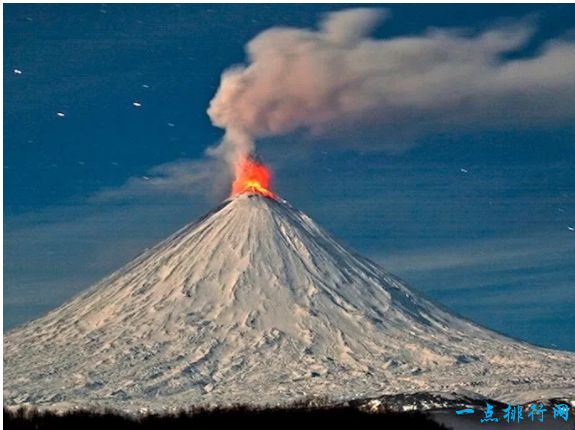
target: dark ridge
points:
(32, 419)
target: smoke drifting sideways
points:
(334, 79)
(338, 85)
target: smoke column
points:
(338, 76)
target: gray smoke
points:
(339, 78)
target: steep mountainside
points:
(255, 303)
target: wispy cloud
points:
(512, 253)
(207, 177)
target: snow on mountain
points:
(255, 303)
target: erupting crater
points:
(252, 176)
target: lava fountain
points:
(252, 177)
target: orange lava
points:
(252, 177)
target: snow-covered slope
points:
(255, 303)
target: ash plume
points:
(332, 81)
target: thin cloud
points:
(511, 253)
(207, 177)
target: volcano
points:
(255, 303)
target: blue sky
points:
(475, 217)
